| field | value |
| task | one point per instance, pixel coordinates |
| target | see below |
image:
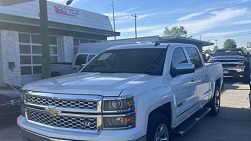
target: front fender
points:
(148, 102)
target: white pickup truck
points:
(127, 93)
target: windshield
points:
(145, 61)
(228, 52)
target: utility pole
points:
(113, 14)
(216, 42)
(44, 38)
(135, 22)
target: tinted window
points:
(179, 57)
(144, 61)
(194, 57)
(26, 70)
(25, 49)
(81, 59)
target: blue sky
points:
(212, 19)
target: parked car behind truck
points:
(9, 101)
(126, 93)
(233, 62)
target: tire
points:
(214, 104)
(246, 76)
(158, 128)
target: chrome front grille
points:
(58, 102)
(62, 121)
(64, 111)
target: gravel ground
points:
(232, 124)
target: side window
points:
(81, 59)
(194, 57)
(179, 57)
(90, 57)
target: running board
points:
(190, 122)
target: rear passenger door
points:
(200, 78)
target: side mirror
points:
(183, 69)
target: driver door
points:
(182, 87)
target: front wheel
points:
(214, 104)
(158, 128)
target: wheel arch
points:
(165, 109)
(219, 83)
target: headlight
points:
(118, 105)
(119, 122)
(119, 113)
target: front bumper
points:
(233, 71)
(31, 132)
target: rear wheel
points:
(214, 104)
(158, 128)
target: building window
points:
(78, 41)
(31, 53)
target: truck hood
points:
(104, 84)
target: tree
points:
(176, 31)
(230, 43)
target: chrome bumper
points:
(31, 136)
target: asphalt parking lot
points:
(233, 123)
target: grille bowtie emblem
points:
(53, 111)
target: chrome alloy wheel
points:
(217, 101)
(162, 133)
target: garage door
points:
(31, 55)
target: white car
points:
(127, 93)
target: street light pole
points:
(135, 22)
(113, 14)
(44, 38)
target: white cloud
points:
(189, 16)
(216, 19)
(243, 22)
(246, 1)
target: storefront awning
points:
(6, 18)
